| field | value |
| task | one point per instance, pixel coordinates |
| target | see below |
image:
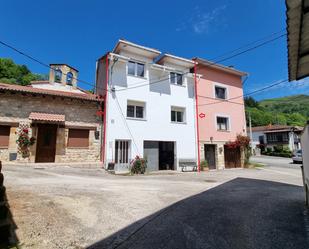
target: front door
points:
(210, 155)
(46, 143)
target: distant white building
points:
(274, 135)
(150, 107)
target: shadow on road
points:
(242, 213)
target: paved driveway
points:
(61, 207)
(242, 213)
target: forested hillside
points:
(17, 74)
(291, 110)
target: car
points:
(297, 156)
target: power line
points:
(248, 44)
(42, 63)
(248, 94)
(148, 83)
(209, 64)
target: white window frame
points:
(176, 74)
(135, 68)
(135, 104)
(229, 122)
(221, 86)
(178, 109)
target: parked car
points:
(297, 156)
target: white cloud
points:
(202, 21)
(205, 20)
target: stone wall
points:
(219, 152)
(16, 108)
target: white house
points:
(150, 107)
(276, 135)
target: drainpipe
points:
(197, 121)
(105, 110)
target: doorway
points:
(46, 143)
(210, 155)
(232, 157)
(166, 155)
(122, 153)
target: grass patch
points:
(256, 165)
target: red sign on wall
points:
(202, 115)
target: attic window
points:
(176, 78)
(58, 75)
(136, 69)
(69, 78)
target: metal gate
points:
(232, 157)
(122, 154)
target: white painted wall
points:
(57, 87)
(305, 155)
(158, 98)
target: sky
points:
(79, 32)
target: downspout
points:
(197, 120)
(105, 111)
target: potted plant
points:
(204, 165)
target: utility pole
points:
(250, 131)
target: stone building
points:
(60, 117)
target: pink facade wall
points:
(206, 95)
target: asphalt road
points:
(240, 214)
(279, 162)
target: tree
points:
(16, 74)
(251, 102)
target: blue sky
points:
(78, 32)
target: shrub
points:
(203, 164)
(268, 150)
(138, 165)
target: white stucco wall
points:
(158, 98)
(305, 153)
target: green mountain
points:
(291, 110)
(291, 104)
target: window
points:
(220, 92)
(178, 115)
(58, 75)
(78, 138)
(135, 110)
(69, 78)
(176, 78)
(222, 123)
(275, 137)
(4, 136)
(136, 69)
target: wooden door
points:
(46, 143)
(210, 155)
(232, 157)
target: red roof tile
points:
(40, 116)
(29, 89)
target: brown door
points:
(210, 155)
(232, 157)
(46, 143)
